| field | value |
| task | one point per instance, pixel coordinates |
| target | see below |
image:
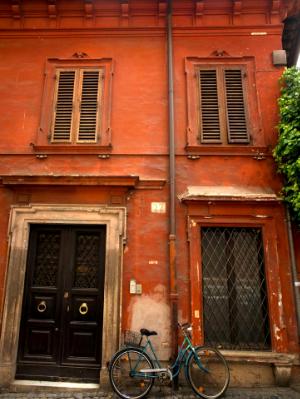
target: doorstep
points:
(51, 386)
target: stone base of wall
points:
(242, 376)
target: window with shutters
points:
(223, 116)
(222, 104)
(76, 106)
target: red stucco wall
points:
(139, 130)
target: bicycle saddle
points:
(146, 332)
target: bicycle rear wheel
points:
(125, 376)
(209, 373)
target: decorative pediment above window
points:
(220, 53)
(80, 54)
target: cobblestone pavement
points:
(166, 393)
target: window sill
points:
(258, 153)
(71, 149)
(259, 356)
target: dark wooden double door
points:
(61, 327)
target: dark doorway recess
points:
(61, 327)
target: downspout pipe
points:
(172, 192)
(294, 268)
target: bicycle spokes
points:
(134, 369)
(208, 373)
(126, 377)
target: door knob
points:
(41, 307)
(83, 308)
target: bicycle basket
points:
(131, 338)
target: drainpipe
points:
(172, 212)
(294, 268)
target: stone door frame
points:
(21, 217)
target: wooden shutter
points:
(209, 107)
(63, 111)
(235, 103)
(89, 105)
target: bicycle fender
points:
(187, 360)
(108, 364)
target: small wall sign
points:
(158, 207)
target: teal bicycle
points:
(134, 368)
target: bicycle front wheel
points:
(125, 374)
(208, 373)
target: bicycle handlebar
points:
(185, 326)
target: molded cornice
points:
(58, 180)
(104, 13)
(82, 180)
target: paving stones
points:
(158, 392)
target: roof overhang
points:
(227, 193)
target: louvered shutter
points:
(63, 111)
(89, 106)
(235, 103)
(209, 107)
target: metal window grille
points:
(235, 298)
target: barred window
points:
(235, 305)
(223, 112)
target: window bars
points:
(234, 288)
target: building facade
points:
(91, 183)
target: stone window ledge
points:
(282, 362)
(260, 357)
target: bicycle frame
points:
(186, 350)
(134, 368)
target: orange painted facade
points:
(129, 167)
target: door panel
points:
(61, 325)
(37, 334)
(82, 343)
